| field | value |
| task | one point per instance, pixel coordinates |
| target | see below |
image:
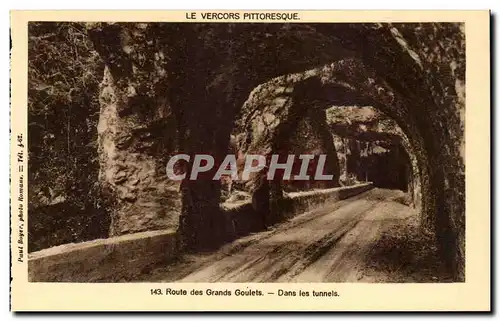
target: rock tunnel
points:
(157, 100)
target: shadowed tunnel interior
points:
(387, 168)
(383, 66)
(384, 102)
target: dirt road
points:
(332, 243)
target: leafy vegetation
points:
(63, 110)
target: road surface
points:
(328, 244)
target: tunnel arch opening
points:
(291, 97)
(399, 68)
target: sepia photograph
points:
(245, 148)
(110, 104)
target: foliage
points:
(63, 110)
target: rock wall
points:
(356, 83)
(369, 131)
(425, 63)
(136, 133)
(415, 73)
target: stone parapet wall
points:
(114, 259)
(122, 258)
(242, 219)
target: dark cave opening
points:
(387, 166)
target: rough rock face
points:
(365, 82)
(136, 134)
(442, 54)
(271, 106)
(370, 129)
(426, 64)
(414, 73)
(312, 136)
(305, 132)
